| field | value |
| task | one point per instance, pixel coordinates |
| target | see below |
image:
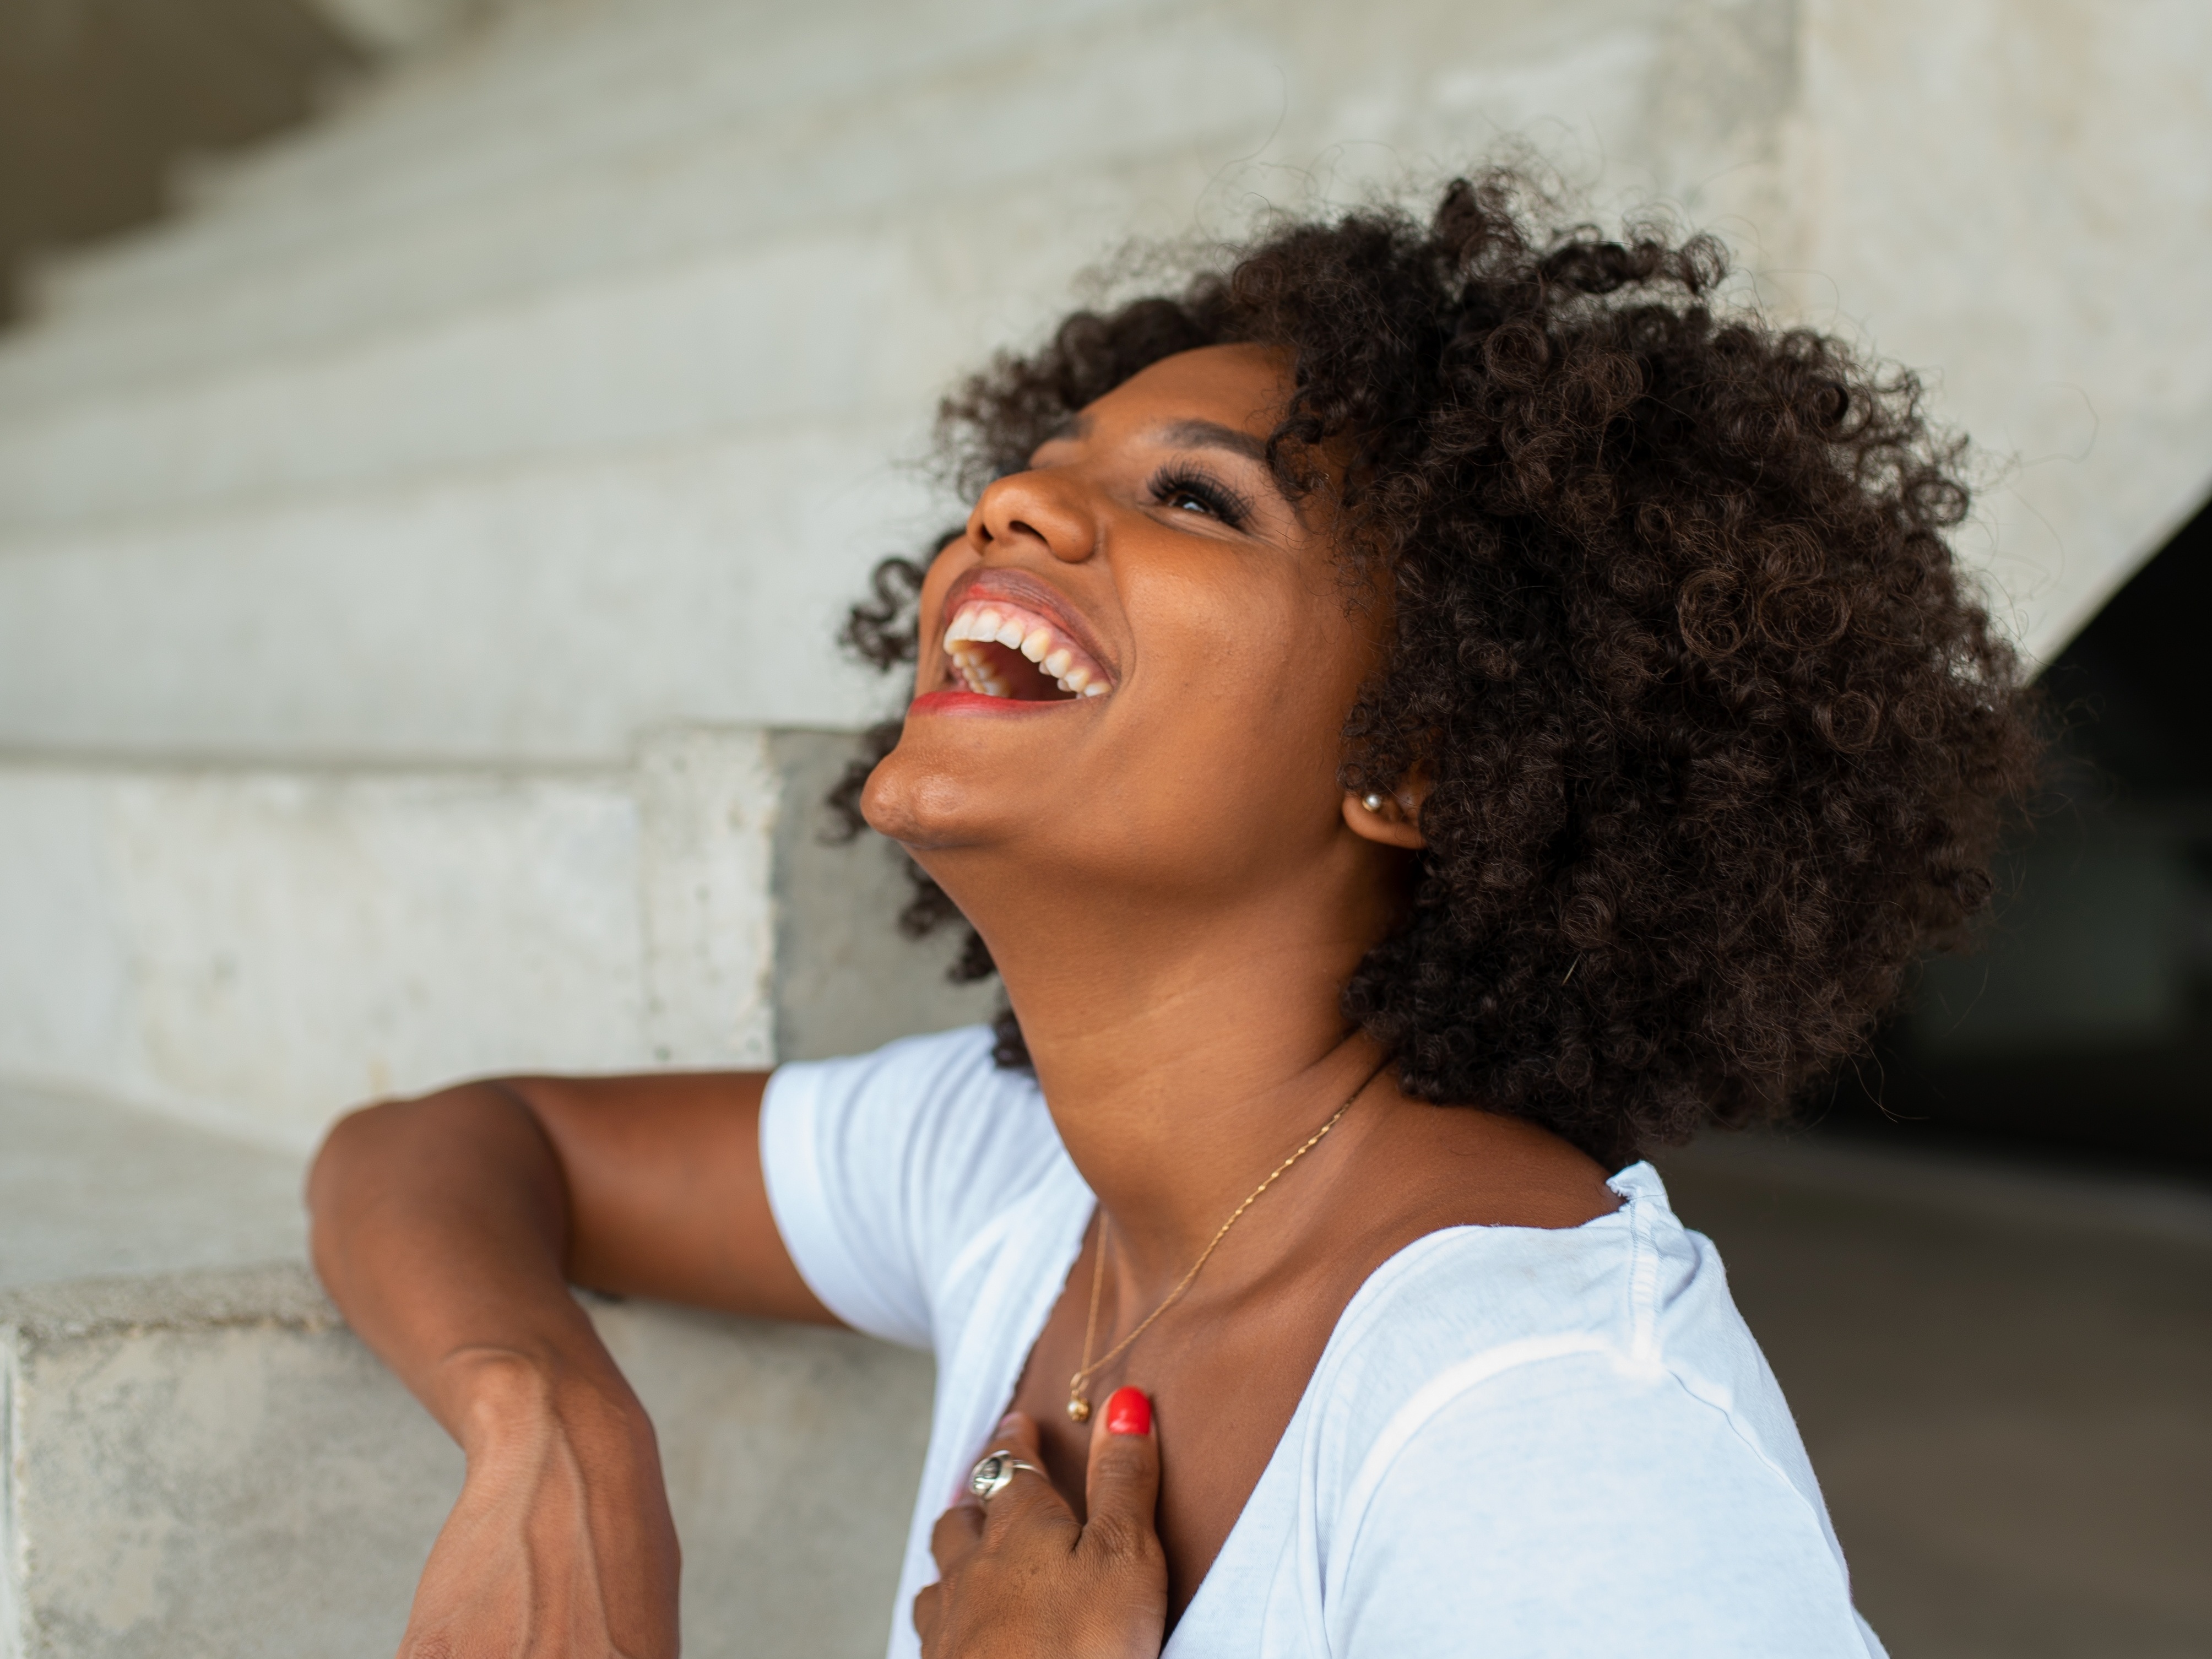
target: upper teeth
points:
(996, 622)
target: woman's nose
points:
(1037, 508)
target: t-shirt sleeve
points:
(1567, 1508)
(879, 1169)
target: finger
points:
(928, 1608)
(1031, 1500)
(1122, 1484)
(957, 1531)
(1018, 1433)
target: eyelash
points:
(1183, 479)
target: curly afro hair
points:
(1718, 740)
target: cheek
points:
(1256, 726)
(1274, 661)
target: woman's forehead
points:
(1242, 386)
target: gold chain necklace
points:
(1079, 1398)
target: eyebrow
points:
(1185, 434)
(1190, 435)
(1211, 434)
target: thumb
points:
(1123, 1485)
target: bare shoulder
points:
(1486, 1169)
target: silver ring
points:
(994, 1472)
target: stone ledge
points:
(279, 1293)
(207, 1463)
(197, 1458)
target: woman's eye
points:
(1185, 494)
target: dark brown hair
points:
(1719, 740)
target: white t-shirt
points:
(1518, 1441)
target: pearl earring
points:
(1372, 802)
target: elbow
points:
(350, 1147)
(372, 1146)
(345, 1145)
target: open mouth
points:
(1000, 649)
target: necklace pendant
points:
(1078, 1408)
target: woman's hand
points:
(1021, 1576)
(561, 1546)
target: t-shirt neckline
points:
(1635, 1184)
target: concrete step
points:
(608, 180)
(556, 87)
(542, 614)
(658, 357)
(256, 949)
(92, 1190)
(209, 1464)
(200, 1462)
(198, 1459)
(604, 229)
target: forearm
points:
(444, 1230)
(440, 1229)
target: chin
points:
(920, 801)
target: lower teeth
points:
(972, 674)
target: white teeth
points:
(975, 675)
(980, 624)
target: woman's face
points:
(1137, 661)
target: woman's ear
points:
(1393, 820)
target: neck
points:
(1186, 1051)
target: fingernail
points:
(1010, 1422)
(1128, 1412)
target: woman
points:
(1414, 722)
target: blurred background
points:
(438, 439)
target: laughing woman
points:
(1415, 720)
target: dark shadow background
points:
(2082, 1030)
(102, 100)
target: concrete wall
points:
(359, 528)
(253, 949)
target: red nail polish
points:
(1128, 1412)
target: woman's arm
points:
(448, 1229)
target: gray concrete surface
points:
(846, 979)
(2004, 1377)
(88, 1190)
(200, 1462)
(257, 951)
